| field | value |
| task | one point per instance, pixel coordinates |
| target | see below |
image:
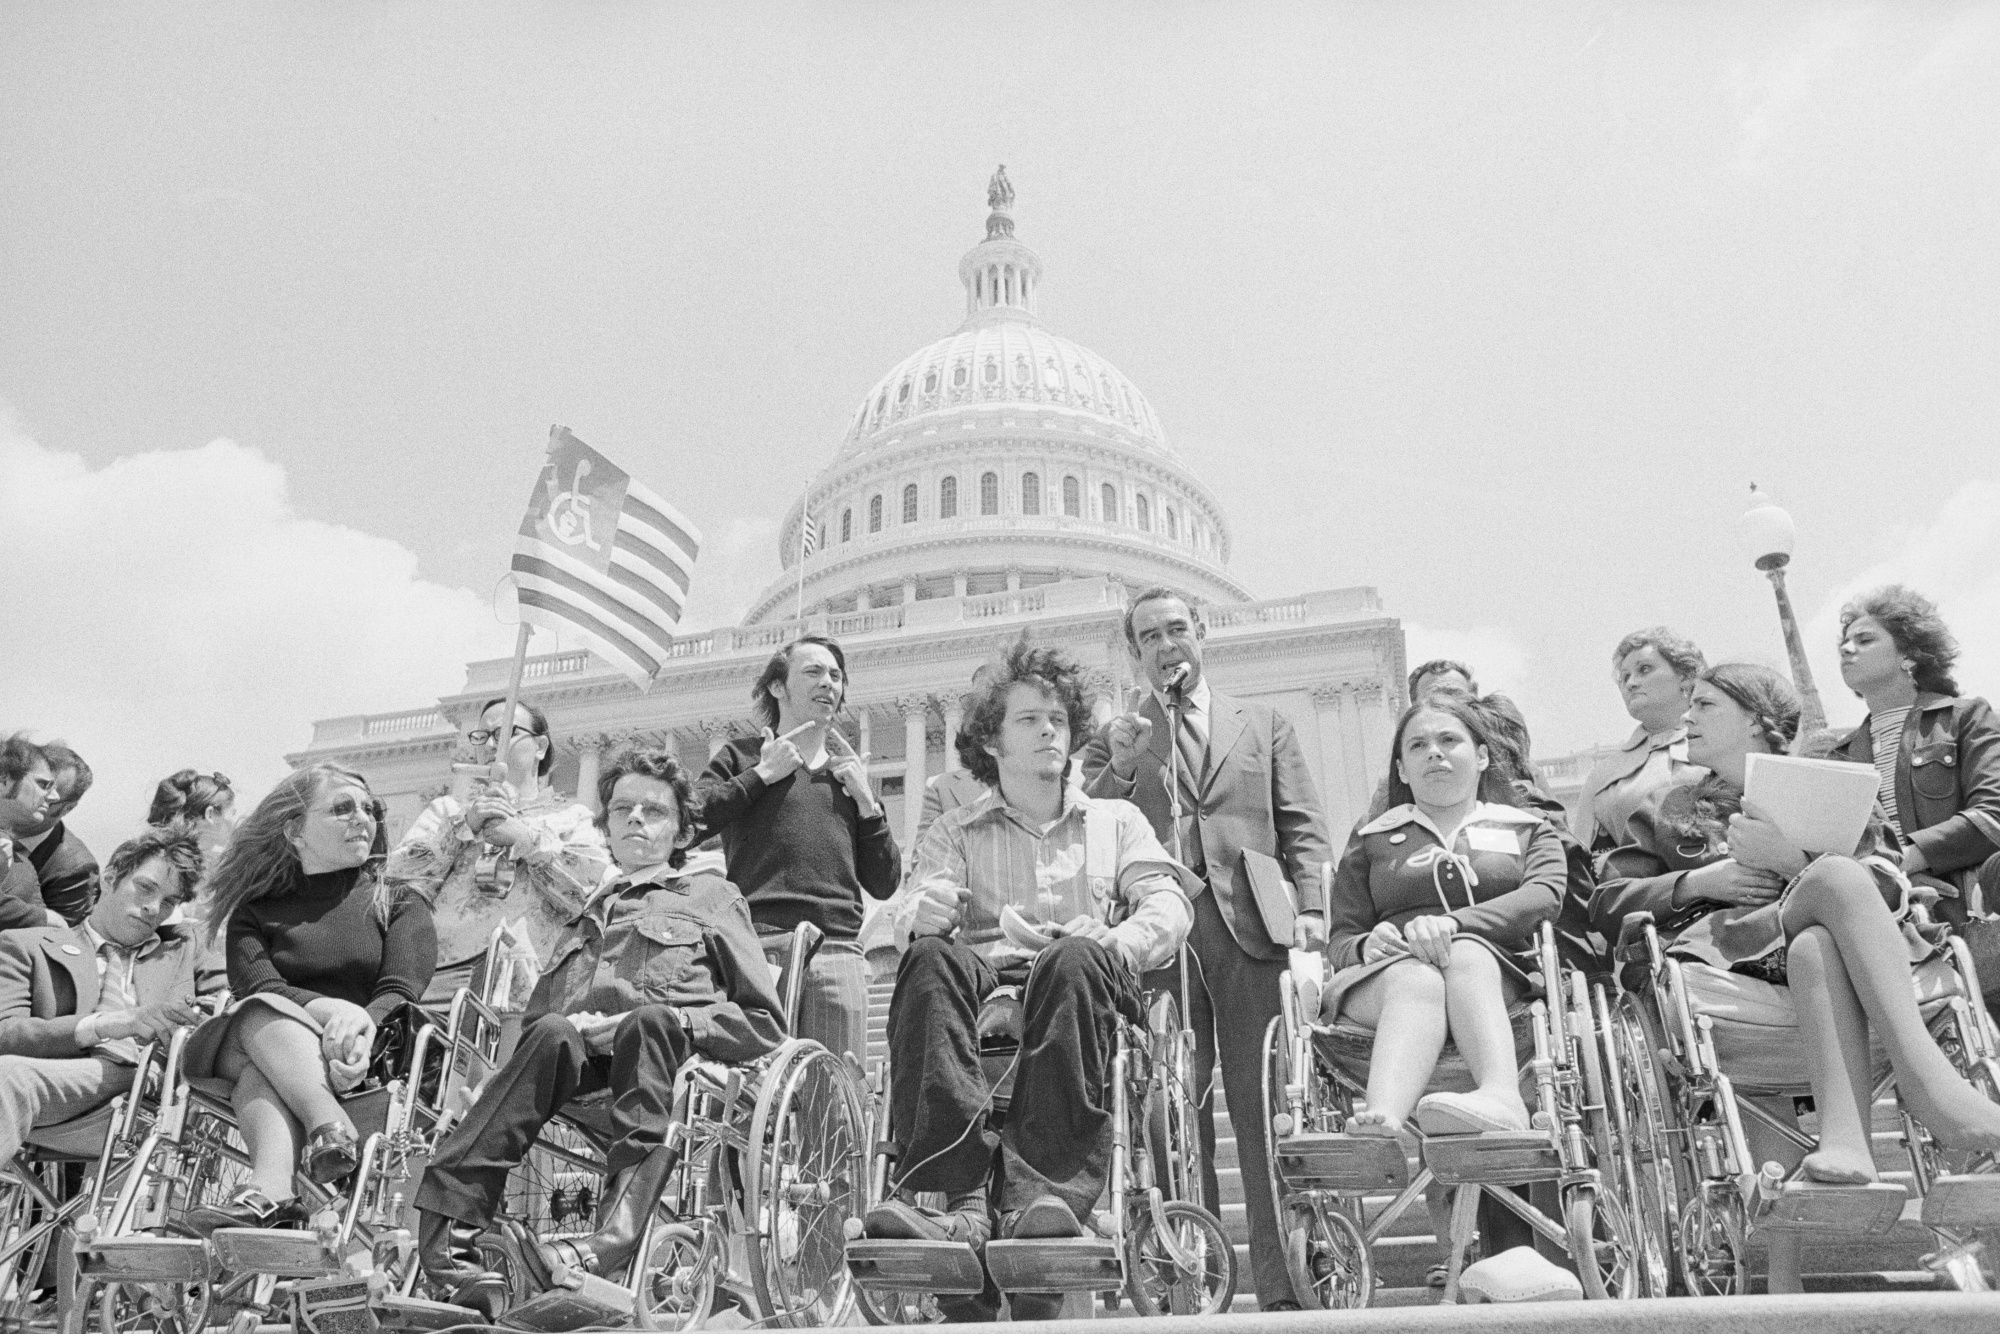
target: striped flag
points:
(601, 555)
(809, 536)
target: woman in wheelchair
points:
(321, 952)
(1432, 921)
(656, 967)
(1727, 889)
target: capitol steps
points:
(1406, 1253)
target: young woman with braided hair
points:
(1728, 890)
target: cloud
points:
(172, 608)
(1955, 560)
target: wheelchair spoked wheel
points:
(1601, 1242)
(1180, 1263)
(806, 1176)
(153, 1308)
(1714, 1236)
(1646, 1158)
(1327, 1258)
(679, 1268)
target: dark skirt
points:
(1344, 981)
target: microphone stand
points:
(1176, 705)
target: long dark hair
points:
(1493, 783)
(261, 861)
(1920, 634)
(1049, 670)
(762, 704)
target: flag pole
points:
(521, 638)
(799, 610)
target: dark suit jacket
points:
(20, 893)
(67, 873)
(1258, 795)
(48, 980)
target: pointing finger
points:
(768, 734)
(798, 731)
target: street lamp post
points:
(1769, 534)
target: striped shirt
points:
(1885, 734)
(1051, 874)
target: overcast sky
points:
(1498, 309)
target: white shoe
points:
(1523, 1274)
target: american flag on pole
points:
(600, 555)
(809, 536)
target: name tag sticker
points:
(1487, 839)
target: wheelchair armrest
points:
(1631, 946)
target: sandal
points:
(331, 1153)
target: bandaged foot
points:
(1475, 1113)
(1372, 1123)
(1835, 1165)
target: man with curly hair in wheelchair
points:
(657, 966)
(1063, 900)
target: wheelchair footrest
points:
(416, 1315)
(1055, 1264)
(1341, 1162)
(333, 1306)
(1811, 1206)
(145, 1260)
(579, 1301)
(1963, 1202)
(916, 1266)
(1497, 1159)
(257, 1250)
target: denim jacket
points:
(1947, 780)
(662, 938)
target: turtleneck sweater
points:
(324, 938)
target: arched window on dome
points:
(910, 503)
(1173, 525)
(875, 514)
(903, 392)
(959, 375)
(847, 525)
(992, 371)
(948, 498)
(930, 381)
(1110, 503)
(989, 493)
(1143, 513)
(1072, 497)
(1031, 493)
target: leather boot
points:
(630, 1197)
(449, 1255)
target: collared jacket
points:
(1947, 780)
(1505, 874)
(48, 981)
(1685, 827)
(1623, 781)
(1256, 795)
(663, 938)
(1097, 859)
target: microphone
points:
(1177, 678)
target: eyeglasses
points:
(480, 736)
(349, 811)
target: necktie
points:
(114, 992)
(1191, 741)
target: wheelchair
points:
(1685, 1081)
(1322, 1178)
(768, 1169)
(53, 1191)
(353, 1268)
(1155, 1243)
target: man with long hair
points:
(1063, 897)
(804, 834)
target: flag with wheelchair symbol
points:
(600, 555)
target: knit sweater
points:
(325, 939)
(799, 849)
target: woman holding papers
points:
(1432, 917)
(1938, 755)
(1729, 889)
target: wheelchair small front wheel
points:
(1327, 1259)
(1603, 1245)
(1187, 1268)
(888, 1307)
(153, 1308)
(676, 1289)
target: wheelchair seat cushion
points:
(1755, 1024)
(81, 1137)
(1348, 1046)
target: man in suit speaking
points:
(1244, 788)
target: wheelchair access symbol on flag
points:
(577, 501)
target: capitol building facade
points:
(1001, 479)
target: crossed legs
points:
(281, 1086)
(1850, 975)
(1422, 1005)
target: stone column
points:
(1335, 783)
(916, 713)
(910, 591)
(590, 750)
(861, 602)
(1378, 719)
(1100, 691)
(864, 728)
(954, 717)
(718, 731)
(1013, 578)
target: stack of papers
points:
(1819, 805)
